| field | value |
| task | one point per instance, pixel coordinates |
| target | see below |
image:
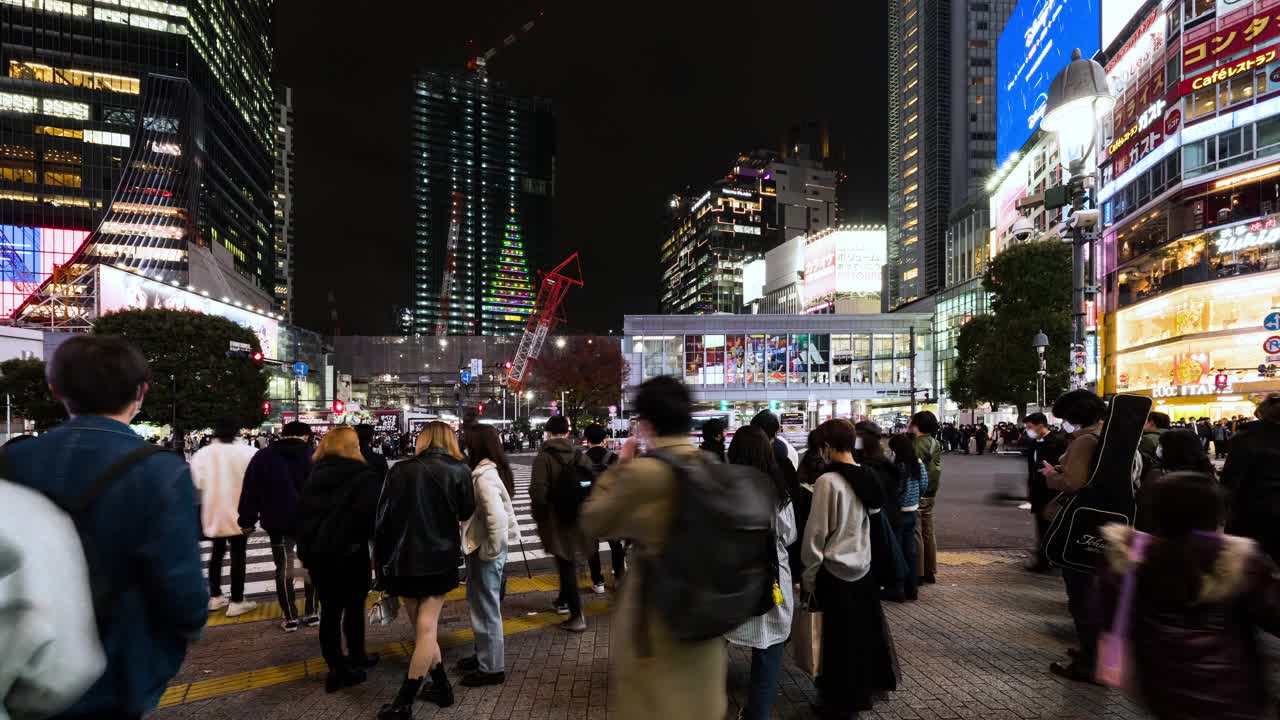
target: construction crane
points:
(479, 63)
(546, 314)
(450, 261)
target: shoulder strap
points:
(81, 503)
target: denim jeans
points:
(569, 586)
(284, 553)
(239, 549)
(906, 533)
(762, 689)
(484, 587)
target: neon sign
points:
(1226, 72)
(1243, 237)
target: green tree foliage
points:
(1030, 288)
(29, 397)
(187, 352)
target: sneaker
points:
(560, 608)
(311, 620)
(574, 624)
(240, 608)
(289, 626)
(217, 602)
(598, 588)
(481, 679)
(469, 664)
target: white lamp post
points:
(1040, 342)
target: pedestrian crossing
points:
(260, 570)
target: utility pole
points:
(912, 332)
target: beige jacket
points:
(492, 528)
(677, 681)
(1073, 473)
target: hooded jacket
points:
(273, 482)
(423, 502)
(1202, 661)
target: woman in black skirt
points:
(417, 544)
(858, 657)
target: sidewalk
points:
(978, 644)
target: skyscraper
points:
(941, 130)
(806, 192)
(483, 186)
(284, 202)
(140, 135)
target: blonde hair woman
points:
(335, 523)
(417, 544)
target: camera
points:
(1022, 229)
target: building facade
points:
(483, 187)
(714, 234)
(806, 199)
(283, 227)
(942, 130)
(137, 135)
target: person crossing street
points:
(218, 470)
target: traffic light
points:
(339, 407)
(266, 408)
(480, 409)
(507, 365)
(257, 356)
(1221, 381)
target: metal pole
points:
(912, 331)
(8, 416)
(1078, 280)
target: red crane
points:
(546, 314)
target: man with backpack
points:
(695, 525)
(1252, 477)
(560, 481)
(133, 506)
(601, 459)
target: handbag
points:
(1115, 665)
(806, 640)
(384, 610)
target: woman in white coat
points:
(766, 634)
(486, 535)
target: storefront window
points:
(715, 359)
(882, 346)
(902, 345)
(653, 350)
(882, 372)
(693, 359)
(902, 371)
(735, 357)
(673, 351)
(819, 359)
(756, 350)
(861, 369)
(1229, 305)
(1203, 102)
(841, 359)
(776, 360)
(798, 368)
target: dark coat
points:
(1048, 449)
(561, 539)
(273, 482)
(424, 501)
(1252, 478)
(1203, 661)
(337, 510)
(375, 461)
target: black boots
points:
(440, 692)
(341, 678)
(402, 707)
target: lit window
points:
(910, 274)
(910, 240)
(911, 153)
(911, 171)
(911, 206)
(64, 108)
(911, 188)
(13, 102)
(913, 118)
(914, 134)
(62, 179)
(99, 137)
(74, 78)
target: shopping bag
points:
(806, 640)
(384, 610)
(1114, 664)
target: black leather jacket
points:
(423, 501)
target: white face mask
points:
(857, 443)
(1068, 427)
(1032, 434)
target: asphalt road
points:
(970, 512)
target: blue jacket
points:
(146, 535)
(914, 484)
(273, 484)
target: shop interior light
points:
(1244, 177)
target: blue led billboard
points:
(1036, 43)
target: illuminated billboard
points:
(843, 262)
(28, 256)
(1115, 15)
(1035, 45)
(121, 290)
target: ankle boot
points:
(402, 707)
(440, 692)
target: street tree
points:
(193, 382)
(589, 372)
(23, 382)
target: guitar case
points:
(1074, 540)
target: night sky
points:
(650, 97)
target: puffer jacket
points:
(493, 527)
(1203, 661)
(423, 503)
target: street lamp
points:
(1040, 342)
(1079, 98)
(560, 343)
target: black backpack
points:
(719, 562)
(570, 487)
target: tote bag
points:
(1115, 665)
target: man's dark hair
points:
(1081, 408)
(365, 433)
(926, 422)
(296, 429)
(97, 374)
(594, 433)
(1160, 420)
(838, 435)
(1036, 418)
(713, 429)
(768, 422)
(663, 401)
(557, 425)
(1269, 409)
(226, 429)
(470, 417)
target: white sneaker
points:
(598, 588)
(217, 602)
(289, 626)
(240, 608)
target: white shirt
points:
(838, 534)
(218, 472)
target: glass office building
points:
(136, 133)
(483, 184)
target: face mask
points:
(857, 443)
(1068, 428)
(1032, 434)
(1159, 453)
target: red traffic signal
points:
(257, 356)
(266, 408)
(339, 407)
(1221, 381)
(480, 409)
(507, 364)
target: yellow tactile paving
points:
(266, 677)
(970, 558)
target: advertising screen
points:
(844, 262)
(1037, 43)
(120, 290)
(28, 256)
